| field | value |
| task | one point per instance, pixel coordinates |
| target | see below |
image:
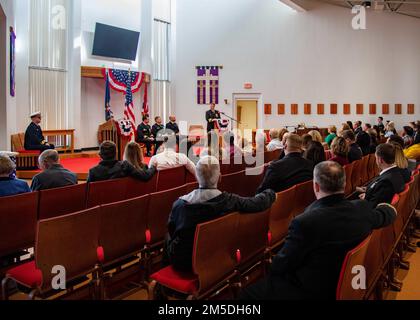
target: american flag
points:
(127, 78)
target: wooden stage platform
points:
(79, 163)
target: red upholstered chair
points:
(272, 156)
(349, 173)
(18, 219)
(158, 211)
(171, 178)
(328, 155)
(252, 180)
(190, 187)
(233, 183)
(356, 176)
(356, 257)
(190, 178)
(364, 177)
(70, 241)
(136, 188)
(281, 215)
(214, 262)
(58, 202)
(252, 244)
(372, 166)
(305, 196)
(373, 263)
(105, 192)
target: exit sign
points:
(248, 86)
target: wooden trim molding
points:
(372, 109)
(321, 109)
(398, 108)
(295, 109)
(360, 109)
(267, 109)
(347, 109)
(308, 109)
(281, 109)
(385, 108)
(411, 109)
(334, 108)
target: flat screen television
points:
(113, 42)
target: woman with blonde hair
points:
(340, 151)
(390, 130)
(332, 131)
(133, 154)
(316, 136)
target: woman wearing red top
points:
(340, 150)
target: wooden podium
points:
(109, 132)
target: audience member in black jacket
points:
(355, 153)
(389, 183)
(110, 168)
(203, 205)
(308, 266)
(289, 171)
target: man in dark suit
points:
(381, 125)
(211, 116)
(110, 168)
(289, 171)
(355, 153)
(144, 135)
(389, 183)
(308, 266)
(205, 204)
(53, 174)
(158, 131)
(34, 139)
(172, 125)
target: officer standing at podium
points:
(212, 115)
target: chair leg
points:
(4, 288)
(33, 294)
(151, 290)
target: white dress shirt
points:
(274, 145)
(170, 159)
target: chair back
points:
(18, 219)
(251, 237)
(374, 258)
(364, 177)
(356, 257)
(105, 192)
(158, 212)
(356, 176)
(233, 183)
(18, 142)
(70, 241)
(137, 188)
(62, 201)
(171, 178)
(372, 166)
(270, 156)
(214, 255)
(305, 194)
(253, 178)
(349, 173)
(281, 215)
(123, 228)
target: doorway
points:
(3, 80)
(247, 115)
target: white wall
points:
(313, 57)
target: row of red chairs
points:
(360, 172)
(383, 252)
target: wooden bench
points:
(25, 160)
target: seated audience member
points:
(202, 205)
(390, 130)
(417, 133)
(367, 127)
(293, 169)
(233, 150)
(172, 125)
(53, 174)
(397, 140)
(413, 153)
(408, 137)
(402, 162)
(381, 125)
(373, 140)
(133, 154)
(355, 153)
(306, 140)
(332, 130)
(315, 153)
(110, 168)
(316, 136)
(10, 186)
(158, 130)
(357, 127)
(350, 125)
(144, 135)
(344, 127)
(275, 143)
(34, 138)
(169, 158)
(309, 264)
(340, 151)
(390, 181)
(362, 139)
